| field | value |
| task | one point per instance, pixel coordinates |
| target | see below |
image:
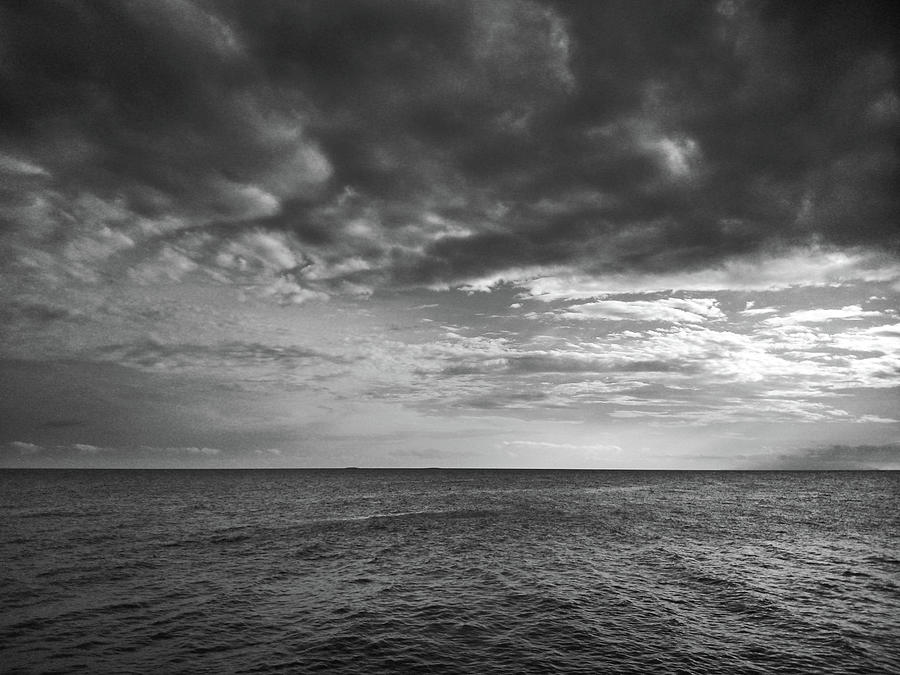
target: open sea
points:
(449, 571)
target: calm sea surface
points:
(368, 571)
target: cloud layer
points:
(621, 215)
(309, 149)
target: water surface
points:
(449, 571)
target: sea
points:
(449, 571)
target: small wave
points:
(883, 560)
(456, 513)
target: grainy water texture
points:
(363, 571)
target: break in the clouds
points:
(487, 233)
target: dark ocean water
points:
(449, 571)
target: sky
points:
(600, 234)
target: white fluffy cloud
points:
(672, 310)
(848, 313)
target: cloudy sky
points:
(559, 234)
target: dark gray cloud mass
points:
(402, 143)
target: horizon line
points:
(432, 468)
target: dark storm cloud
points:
(699, 131)
(153, 101)
(434, 142)
(837, 457)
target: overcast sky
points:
(559, 234)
